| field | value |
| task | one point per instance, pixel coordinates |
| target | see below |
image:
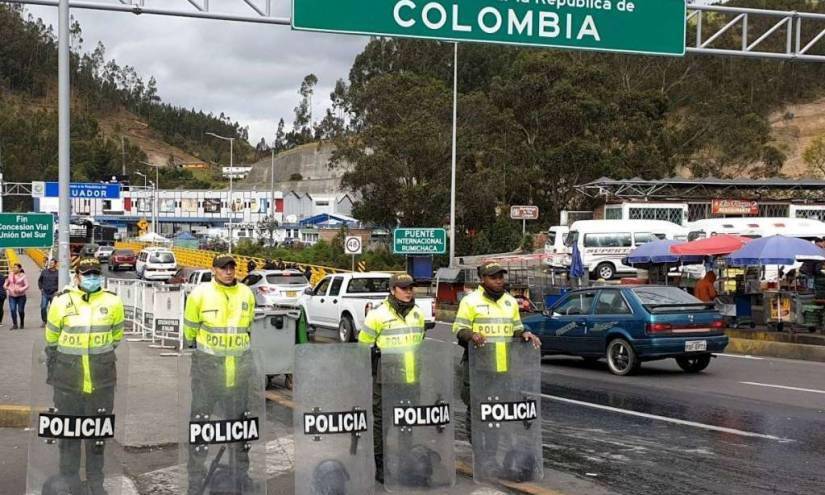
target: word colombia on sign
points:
(636, 26)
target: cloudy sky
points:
(251, 72)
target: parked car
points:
(342, 301)
(628, 325)
(274, 288)
(122, 258)
(103, 253)
(156, 263)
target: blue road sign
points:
(85, 190)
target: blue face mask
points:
(90, 283)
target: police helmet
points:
(418, 467)
(330, 478)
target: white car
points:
(342, 301)
(276, 288)
(103, 253)
(156, 263)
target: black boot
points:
(22, 321)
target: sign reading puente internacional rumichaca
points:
(635, 26)
(418, 241)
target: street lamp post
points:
(155, 186)
(231, 166)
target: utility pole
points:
(272, 196)
(123, 156)
(231, 174)
(452, 168)
(64, 128)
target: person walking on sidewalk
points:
(47, 283)
(16, 286)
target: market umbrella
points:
(711, 246)
(658, 252)
(775, 250)
(576, 265)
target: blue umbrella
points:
(775, 250)
(576, 265)
(658, 252)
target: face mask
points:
(90, 283)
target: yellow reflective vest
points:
(496, 320)
(394, 334)
(84, 330)
(219, 319)
(387, 330)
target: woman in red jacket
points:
(16, 286)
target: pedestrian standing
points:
(83, 328)
(395, 326)
(2, 297)
(16, 286)
(47, 283)
(217, 322)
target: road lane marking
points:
(742, 356)
(785, 387)
(682, 422)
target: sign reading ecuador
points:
(636, 26)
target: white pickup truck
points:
(342, 301)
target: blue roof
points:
(326, 218)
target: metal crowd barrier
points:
(153, 312)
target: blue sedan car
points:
(627, 325)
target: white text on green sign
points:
(419, 241)
(19, 230)
(636, 26)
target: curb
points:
(461, 467)
(13, 416)
(767, 348)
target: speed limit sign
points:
(352, 245)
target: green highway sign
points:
(419, 241)
(26, 230)
(635, 26)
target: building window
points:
(668, 214)
(612, 213)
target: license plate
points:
(291, 293)
(696, 345)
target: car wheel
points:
(605, 271)
(346, 331)
(693, 364)
(621, 358)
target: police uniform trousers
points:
(211, 397)
(74, 403)
(378, 425)
(489, 437)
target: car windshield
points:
(285, 279)
(162, 258)
(655, 296)
(367, 285)
(106, 248)
(124, 252)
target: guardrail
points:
(39, 256)
(11, 256)
(197, 258)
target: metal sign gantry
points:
(714, 40)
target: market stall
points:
(789, 299)
(657, 258)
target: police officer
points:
(396, 325)
(489, 313)
(217, 321)
(83, 327)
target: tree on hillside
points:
(814, 156)
(302, 131)
(280, 138)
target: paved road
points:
(746, 425)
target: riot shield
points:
(223, 425)
(505, 386)
(333, 420)
(77, 422)
(419, 435)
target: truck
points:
(341, 302)
(89, 234)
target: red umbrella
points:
(712, 246)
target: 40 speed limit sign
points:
(352, 245)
